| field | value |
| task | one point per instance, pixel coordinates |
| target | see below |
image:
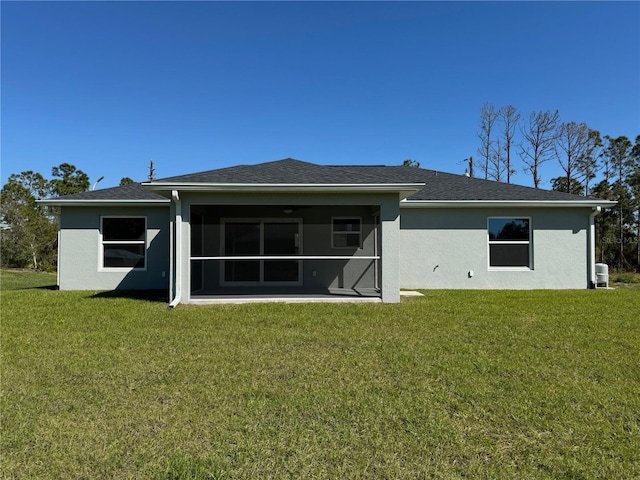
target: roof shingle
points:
(130, 192)
(438, 186)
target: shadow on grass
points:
(158, 296)
(45, 287)
(13, 288)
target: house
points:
(301, 230)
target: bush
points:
(624, 277)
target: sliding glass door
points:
(260, 241)
(281, 239)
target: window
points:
(124, 242)
(345, 233)
(509, 242)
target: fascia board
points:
(505, 203)
(105, 203)
(405, 189)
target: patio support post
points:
(390, 250)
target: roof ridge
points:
(236, 167)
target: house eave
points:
(404, 189)
(506, 203)
(105, 203)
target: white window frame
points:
(529, 242)
(341, 232)
(103, 242)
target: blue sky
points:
(193, 86)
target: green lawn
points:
(25, 279)
(457, 384)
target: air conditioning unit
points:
(602, 275)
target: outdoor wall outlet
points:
(164, 274)
(313, 273)
(470, 273)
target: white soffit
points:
(105, 203)
(505, 203)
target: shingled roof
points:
(438, 186)
(133, 192)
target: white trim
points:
(504, 203)
(58, 256)
(172, 285)
(291, 257)
(297, 298)
(105, 203)
(144, 243)
(510, 242)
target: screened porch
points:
(284, 252)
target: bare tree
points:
(589, 164)
(510, 118)
(488, 117)
(497, 162)
(539, 136)
(618, 154)
(571, 147)
(634, 184)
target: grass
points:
(457, 384)
(25, 279)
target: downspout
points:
(592, 247)
(58, 257)
(172, 286)
(176, 251)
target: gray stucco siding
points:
(427, 248)
(80, 258)
(448, 248)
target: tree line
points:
(603, 167)
(606, 167)
(28, 230)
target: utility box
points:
(602, 275)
